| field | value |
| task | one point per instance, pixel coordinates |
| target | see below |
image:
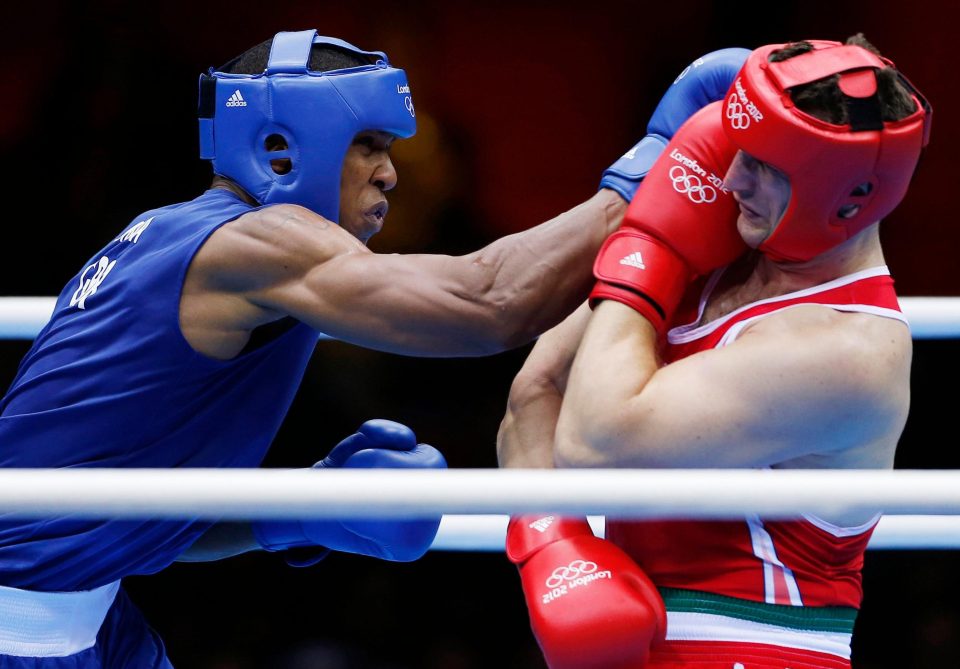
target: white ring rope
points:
(930, 317)
(393, 493)
(24, 317)
(490, 495)
(487, 533)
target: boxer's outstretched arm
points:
(526, 433)
(286, 261)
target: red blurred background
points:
(520, 106)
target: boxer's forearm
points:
(221, 541)
(525, 438)
(537, 277)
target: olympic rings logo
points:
(574, 570)
(696, 190)
(408, 103)
(739, 118)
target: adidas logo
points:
(236, 100)
(633, 260)
(541, 524)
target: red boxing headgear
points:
(842, 177)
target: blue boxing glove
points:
(377, 444)
(705, 80)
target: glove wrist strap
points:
(527, 534)
(641, 271)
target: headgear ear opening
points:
(282, 135)
(277, 142)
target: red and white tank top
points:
(789, 588)
(809, 562)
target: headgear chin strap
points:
(842, 177)
(317, 114)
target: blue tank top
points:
(111, 382)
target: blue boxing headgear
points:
(316, 113)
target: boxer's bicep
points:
(773, 395)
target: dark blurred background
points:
(520, 107)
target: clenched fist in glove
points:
(591, 606)
(681, 223)
(377, 444)
(705, 80)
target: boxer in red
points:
(787, 352)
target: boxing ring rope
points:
(921, 507)
(908, 532)
(23, 317)
(247, 494)
(930, 317)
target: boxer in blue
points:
(182, 342)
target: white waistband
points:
(52, 624)
(691, 626)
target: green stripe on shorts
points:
(812, 618)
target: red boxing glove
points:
(590, 605)
(681, 223)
